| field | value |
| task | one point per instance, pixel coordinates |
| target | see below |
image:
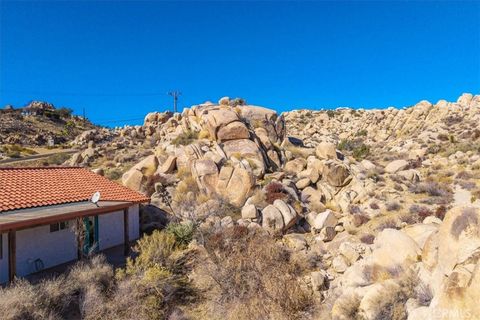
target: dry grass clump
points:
(186, 185)
(431, 188)
(185, 138)
(254, 278)
(65, 297)
(151, 286)
(393, 206)
(440, 193)
(275, 190)
(300, 152)
(419, 213)
(389, 223)
(464, 175)
(346, 307)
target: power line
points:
(113, 121)
(86, 94)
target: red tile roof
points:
(34, 187)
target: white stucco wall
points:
(4, 259)
(55, 248)
(110, 230)
(134, 222)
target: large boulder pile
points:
(424, 271)
(239, 154)
(224, 148)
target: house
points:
(38, 108)
(47, 218)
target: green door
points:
(90, 244)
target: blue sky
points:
(119, 59)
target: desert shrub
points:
(67, 296)
(361, 151)
(56, 159)
(331, 113)
(185, 138)
(183, 232)
(63, 112)
(347, 306)
(460, 146)
(360, 219)
(204, 134)
(388, 223)
(440, 212)
(362, 133)
(393, 206)
(442, 137)
(186, 185)
(15, 150)
(432, 188)
(237, 102)
(409, 218)
(468, 185)
(275, 190)
(156, 280)
(452, 119)
(464, 175)
(475, 134)
(367, 238)
(434, 149)
(150, 287)
(415, 163)
(253, 277)
(420, 212)
(13, 154)
(358, 149)
(391, 303)
(113, 174)
(374, 206)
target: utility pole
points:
(84, 119)
(175, 95)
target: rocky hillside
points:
(384, 205)
(393, 130)
(39, 124)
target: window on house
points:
(58, 226)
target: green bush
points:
(361, 151)
(331, 113)
(183, 233)
(56, 159)
(113, 174)
(358, 149)
(13, 154)
(362, 133)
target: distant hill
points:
(40, 124)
